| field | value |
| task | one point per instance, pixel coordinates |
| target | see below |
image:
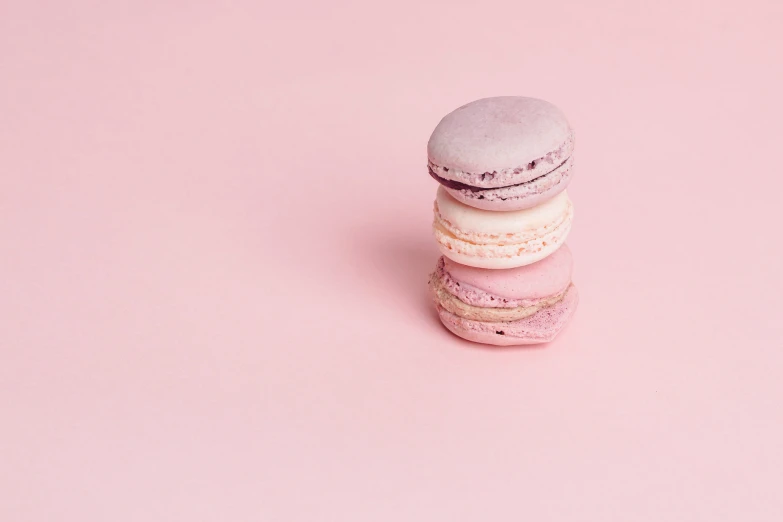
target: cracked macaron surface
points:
(503, 153)
(488, 239)
(525, 305)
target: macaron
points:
(503, 153)
(488, 239)
(525, 305)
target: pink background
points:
(214, 219)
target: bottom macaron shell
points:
(541, 327)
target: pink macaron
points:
(503, 153)
(516, 306)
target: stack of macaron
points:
(502, 215)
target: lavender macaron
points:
(503, 153)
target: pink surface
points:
(200, 320)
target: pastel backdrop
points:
(215, 243)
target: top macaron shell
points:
(503, 153)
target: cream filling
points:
(501, 245)
(451, 303)
(497, 238)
